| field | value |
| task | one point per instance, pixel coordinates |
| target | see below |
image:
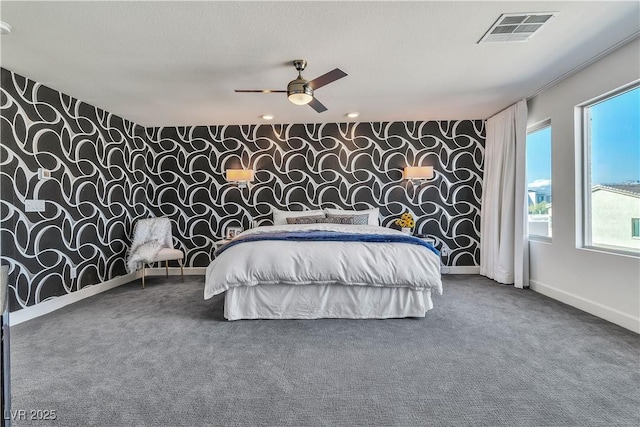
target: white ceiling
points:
(177, 63)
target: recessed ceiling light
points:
(4, 28)
(353, 115)
(267, 116)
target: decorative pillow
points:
(373, 214)
(352, 219)
(305, 219)
(322, 220)
(280, 217)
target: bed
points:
(309, 271)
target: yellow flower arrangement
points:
(406, 220)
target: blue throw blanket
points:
(328, 236)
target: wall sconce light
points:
(240, 177)
(418, 174)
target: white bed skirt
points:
(324, 301)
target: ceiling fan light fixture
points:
(300, 98)
(298, 92)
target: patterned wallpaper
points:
(348, 165)
(108, 172)
(96, 190)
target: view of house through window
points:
(539, 180)
(612, 193)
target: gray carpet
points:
(487, 355)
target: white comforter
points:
(311, 262)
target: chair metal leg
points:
(166, 267)
(181, 270)
(143, 271)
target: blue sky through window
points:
(615, 139)
(539, 182)
(539, 156)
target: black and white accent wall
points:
(97, 189)
(108, 172)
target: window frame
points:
(584, 238)
(635, 225)
(546, 123)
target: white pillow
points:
(280, 217)
(374, 214)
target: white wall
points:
(611, 215)
(604, 284)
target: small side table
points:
(429, 240)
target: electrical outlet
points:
(74, 273)
(44, 173)
(444, 260)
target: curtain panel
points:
(504, 250)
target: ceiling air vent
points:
(516, 27)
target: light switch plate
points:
(34, 205)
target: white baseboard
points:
(472, 269)
(200, 271)
(56, 303)
(607, 313)
(175, 271)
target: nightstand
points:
(219, 243)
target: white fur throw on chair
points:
(149, 237)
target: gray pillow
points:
(357, 219)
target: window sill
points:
(612, 251)
(540, 239)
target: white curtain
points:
(504, 248)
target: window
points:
(612, 171)
(539, 179)
(635, 228)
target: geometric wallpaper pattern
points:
(108, 172)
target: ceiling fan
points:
(300, 91)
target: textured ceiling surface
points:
(178, 63)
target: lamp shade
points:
(418, 172)
(239, 175)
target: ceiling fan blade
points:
(261, 91)
(317, 105)
(325, 79)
